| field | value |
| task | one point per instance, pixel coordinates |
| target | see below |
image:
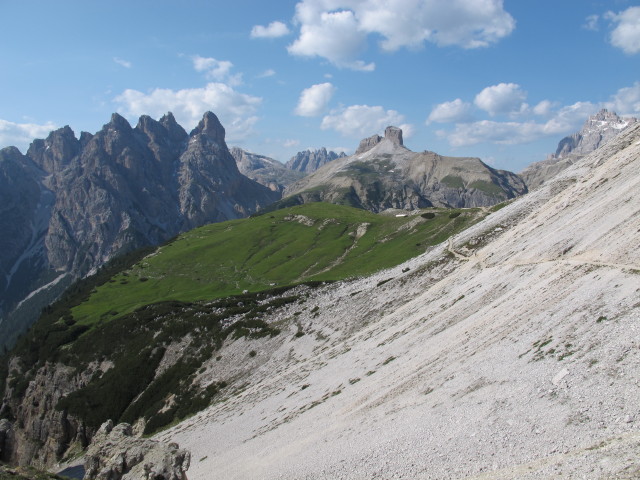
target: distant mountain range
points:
(70, 204)
(384, 174)
(264, 170)
(597, 130)
(309, 161)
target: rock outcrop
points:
(116, 454)
(311, 160)
(70, 205)
(384, 174)
(264, 170)
(596, 131)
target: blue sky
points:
(504, 81)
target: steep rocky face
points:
(264, 170)
(311, 160)
(117, 454)
(40, 434)
(25, 208)
(211, 188)
(71, 205)
(597, 130)
(385, 174)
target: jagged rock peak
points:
(394, 134)
(597, 130)
(176, 132)
(309, 161)
(118, 122)
(211, 127)
(368, 143)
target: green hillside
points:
(317, 241)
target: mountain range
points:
(501, 350)
(384, 174)
(70, 205)
(597, 130)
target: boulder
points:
(116, 454)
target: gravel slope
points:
(517, 356)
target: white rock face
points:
(512, 351)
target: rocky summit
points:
(311, 160)
(384, 174)
(72, 204)
(264, 170)
(597, 130)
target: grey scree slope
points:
(517, 356)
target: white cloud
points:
(236, 110)
(314, 100)
(22, 134)
(273, 30)
(543, 108)
(123, 63)
(331, 35)
(591, 22)
(626, 34)
(625, 101)
(567, 119)
(291, 143)
(267, 73)
(455, 111)
(359, 121)
(560, 121)
(338, 29)
(506, 98)
(219, 70)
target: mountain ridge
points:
(385, 174)
(596, 130)
(107, 193)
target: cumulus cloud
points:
(331, 35)
(455, 111)
(625, 101)
(359, 121)
(237, 111)
(567, 119)
(122, 63)
(22, 134)
(557, 120)
(543, 108)
(314, 100)
(273, 30)
(504, 98)
(338, 30)
(626, 33)
(219, 70)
